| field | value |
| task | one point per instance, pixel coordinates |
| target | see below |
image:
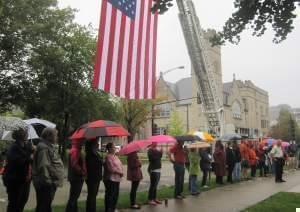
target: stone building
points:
(246, 107)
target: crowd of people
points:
(43, 166)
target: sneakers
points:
(205, 186)
(152, 202)
(179, 197)
(158, 201)
(137, 207)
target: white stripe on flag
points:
(150, 88)
(143, 52)
(135, 48)
(115, 53)
(125, 57)
(105, 47)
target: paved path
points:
(230, 198)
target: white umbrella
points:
(9, 124)
(36, 121)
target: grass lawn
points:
(164, 192)
(280, 202)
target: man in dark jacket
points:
(48, 170)
(94, 164)
(238, 159)
(205, 164)
(230, 161)
(17, 174)
(154, 169)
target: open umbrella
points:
(198, 145)
(187, 138)
(231, 137)
(134, 146)
(9, 124)
(285, 144)
(39, 124)
(204, 136)
(162, 139)
(100, 128)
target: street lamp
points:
(171, 69)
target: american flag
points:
(126, 49)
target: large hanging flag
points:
(126, 49)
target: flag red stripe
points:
(154, 55)
(100, 45)
(129, 63)
(139, 47)
(110, 49)
(147, 49)
(120, 55)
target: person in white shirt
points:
(277, 155)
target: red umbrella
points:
(100, 128)
(134, 146)
(162, 139)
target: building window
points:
(236, 110)
(163, 110)
(264, 124)
(246, 106)
(160, 131)
(225, 98)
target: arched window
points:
(236, 110)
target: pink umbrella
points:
(134, 146)
(285, 144)
(162, 139)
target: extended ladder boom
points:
(209, 94)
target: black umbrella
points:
(231, 137)
(187, 138)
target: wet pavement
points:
(230, 198)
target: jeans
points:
(193, 184)
(262, 168)
(237, 171)
(111, 195)
(134, 187)
(75, 190)
(92, 187)
(17, 196)
(44, 197)
(154, 180)
(179, 178)
(204, 177)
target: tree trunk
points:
(64, 134)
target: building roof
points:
(184, 91)
(227, 87)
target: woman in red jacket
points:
(134, 174)
(219, 163)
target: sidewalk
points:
(230, 198)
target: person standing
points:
(194, 171)
(230, 161)
(17, 172)
(113, 173)
(277, 156)
(260, 153)
(154, 169)
(245, 159)
(252, 160)
(219, 163)
(237, 165)
(76, 175)
(205, 165)
(178, 158)
(48, 170)
(135, 175)
(94, 163)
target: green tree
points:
(176, 126)
(134, 114)
(255, 14)
(286, 128)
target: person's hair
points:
(19, 134)
(109, 146)
(49, 134)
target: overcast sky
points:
(272, 67)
